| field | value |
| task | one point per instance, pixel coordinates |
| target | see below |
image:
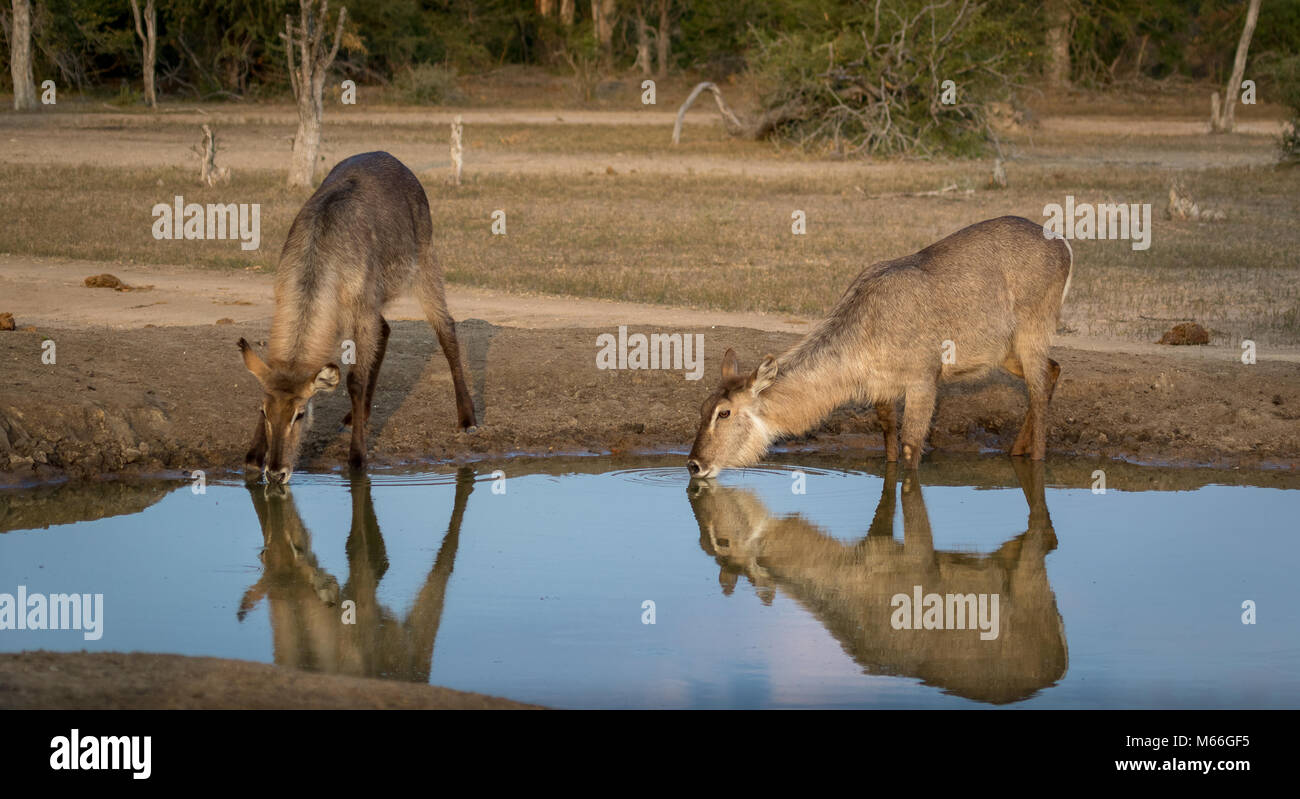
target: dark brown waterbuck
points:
(988, 296)
(361, 240)
(317, 625)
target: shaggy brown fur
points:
(849, 586)
(359, 242)
(989, 294)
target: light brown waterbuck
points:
(988, 296)
(361, 240)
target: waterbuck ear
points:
(254, 363)
(327, 379)
(763, 375)
(730, 365)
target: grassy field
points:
(723, 240)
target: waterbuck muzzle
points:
(285, 413)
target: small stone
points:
(6, 321)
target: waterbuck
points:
(987, 296)
(997, 635)
(359, 242)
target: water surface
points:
(772, 587)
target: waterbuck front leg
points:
(384, 332)
(917, 412)
(432, 295)
(368, 337)
(889, 424)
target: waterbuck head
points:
(732, 431)
(286, 413)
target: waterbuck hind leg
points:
(917, 412)
(1041, 383)
(889, 424)
(429, 290)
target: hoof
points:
(471, 430)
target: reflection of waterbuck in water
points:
(852, 588)
(359, 242)
(312, 628)
(987, 296)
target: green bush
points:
(1284, 81)
(428, 84)
(862, 83)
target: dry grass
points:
(722, 241)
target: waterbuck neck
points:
(305, 324)
(809, 385)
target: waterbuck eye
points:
(299, 415)
(723, 414)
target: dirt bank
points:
(178, 398)
(143, 681)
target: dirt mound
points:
(138, 680)
(1185, 333)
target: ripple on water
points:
(676, 475)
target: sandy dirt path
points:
(51, 292)
(261, 138)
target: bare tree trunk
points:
(642, 42)
(148, 33)
(209, 173)
(1058, 44)
(1225, 120)
(604, 15)
(663, 37)
(20, 57)
(566, 13)
(308, 80)
(457, 149)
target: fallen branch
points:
(733, 123)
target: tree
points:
(604, 17)
(20, 57)
(308, 80)
(642, 38)
(148, 33)
(1223, 121)
(1058, 44)
(663, 36)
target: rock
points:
(6, 321)
(1185, 333)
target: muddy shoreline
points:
(177, 399)
(146, 681)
